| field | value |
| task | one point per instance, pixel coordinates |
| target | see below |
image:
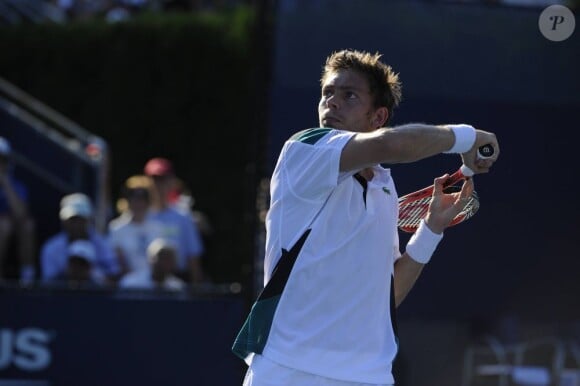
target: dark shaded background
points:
(218, 94)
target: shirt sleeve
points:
(49, 269)
(107, 258)
(310, 161)
(396, 251)
(191, 238)
(113, 238)
(53, 257)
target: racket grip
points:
(466, 171)
(485, 151)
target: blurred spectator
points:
(76, 214)
(110, 10)
(132, 231)
(122, 10)
(180, 196)
(83, 9)
(81, 258)
(162, 256)
(177, 227)
(15, 219)
(182, 199)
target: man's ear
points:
(380, 117)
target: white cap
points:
(4, 147)
(76, 204)
(84, 249)
(159, 245)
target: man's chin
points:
(331, 125)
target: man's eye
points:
(350, 95)
(326, 93)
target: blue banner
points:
(72, 339)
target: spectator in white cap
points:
(76, 213)
(15, 220)
(162, 255)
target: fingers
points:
(444, 207)
(438, 184)
(467, 188)
(484, 164)
(462, 197)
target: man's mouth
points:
(330, 121)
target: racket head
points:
(460, 175)
(413, 210)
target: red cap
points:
(158, 167)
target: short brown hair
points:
(384, 83)
(134, 184)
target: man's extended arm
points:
(410, 143)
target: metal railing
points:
(68, 136)
(14, 12)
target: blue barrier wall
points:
(96, 339)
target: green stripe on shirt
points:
(310, 136)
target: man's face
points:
(76, 227)
(346, 102)
(165, 261)
(78, 269)
(164, 185)
(138, 201)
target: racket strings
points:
(412, 212)
(470, 208)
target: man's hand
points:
(445, 206)
(471, 159)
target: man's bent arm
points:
(407, 271)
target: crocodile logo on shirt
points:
(386, 190)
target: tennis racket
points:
(413, 207)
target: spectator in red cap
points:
(158, 167)
(178, 227)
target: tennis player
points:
(333, 271)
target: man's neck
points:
(367, 173)
(158, 277)
(138, 217)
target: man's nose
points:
(332, 102)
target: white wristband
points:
(423, 243)
(464, 138)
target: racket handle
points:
(485, 151)
(466, 171)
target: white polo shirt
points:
(329, 312)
